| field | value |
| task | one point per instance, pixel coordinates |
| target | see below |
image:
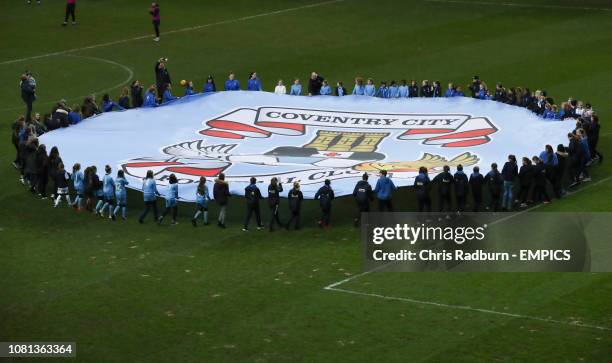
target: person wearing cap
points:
(474, 87)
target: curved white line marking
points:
(182, 30)
(103, 60)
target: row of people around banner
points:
(62, 115)
(509, 188)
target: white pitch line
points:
(334, 286)
(129, 71)
(182, 30)
(519, 5)
(469, 308)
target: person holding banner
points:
(295, 198)
(202, 198)
(172, 197)
(252, 194)
(461, 188)
(221, 194)
(494, 182)
(325, 195)
(363, 194)
(274, 190)
(232, 84)
(149, 193)
(444, 181)
(421, 185)
(384, 192)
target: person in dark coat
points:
(136, 94)
(494, 183)
(162, 76)
(325, 195)
(422, 185)
(42, 171)
(525, 176)
(295, 198)
(28, 94)
(274, 190)
(444, 181)
(560, 170)
(461, 183)
(539, 185)
(16, 129)
(221, 195)
(314, 84)
(575, 153)
(363, 195)
(29, 170)
(89, 107)
(509, 173)
(476, 182)
(252, 194)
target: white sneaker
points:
(587, 179)
(156, 39)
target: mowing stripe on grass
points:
(334, 286)
(519, 5)
(176, 31)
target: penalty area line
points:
(469, 308)
(519, 5)
(334, 286)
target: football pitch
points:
(126, 292)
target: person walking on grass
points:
(221, 195)
(149, 193)
(120, 195)
(384, 192)
(295, 198)
(202, 198)
(172, 198)
(252, 194)
(70, 12)
(154, 11)
(274, 190)
(325, 195)
(363, 195)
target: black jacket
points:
(314, 85)
(526, 175)
(461, 184)
(221, 192)
(509, 171)
(445, 179)
(325, 195)
(27, 91)
(476, 182)
(274, 194)
(363, 192)
(136, 92)
(295, 198)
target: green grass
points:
(131, 293)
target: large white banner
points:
(304, 139)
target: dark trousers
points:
(42, 184)
(540, 194)
(156, 27)
(148, 207)
(424, 203)
(70, 12)
(445, 199)
(17, 161)
(461, 202)
(477, 198)
(325, 215)
(252, 209)
(167, 210)
(28, 116)
(495, 197)
(363, 208)
(385, 204)
(523, 193)
(274, 216)
(295, 218)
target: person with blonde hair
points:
(280, 88)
